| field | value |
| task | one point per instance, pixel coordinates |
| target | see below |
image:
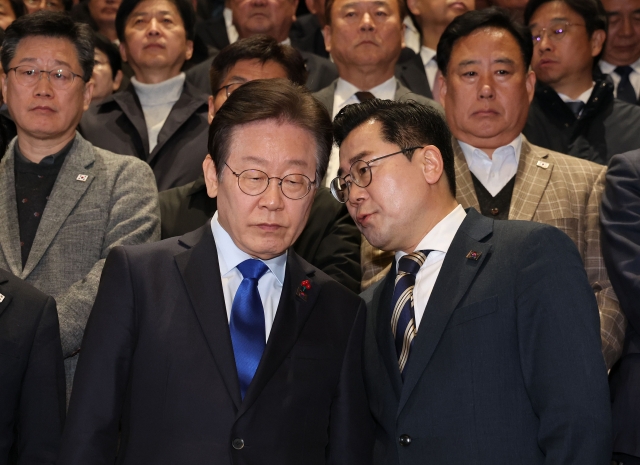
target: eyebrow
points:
(33, 60)
(355, 4)
(359, 156)
(502, 60)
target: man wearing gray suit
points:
(365, 39)
(64, 203)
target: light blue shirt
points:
(269, 285)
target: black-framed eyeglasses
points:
(230, 88)
(555, 32)
(360, 174)
(254, 182)
(28, 75)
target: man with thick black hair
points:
(574, 110)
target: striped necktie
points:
(403, 323)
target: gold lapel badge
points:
(473, 255)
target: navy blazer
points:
(506, 367)
(157, 361)
(32, 383)
(619, 218)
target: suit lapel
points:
(465, 191)
(381, 311)
(130, 106)
(325, 96)
(455, 277)
(291, 316)
(66, 193)
(9, 226)
(189, 102)
(532, 178)
(200, 272)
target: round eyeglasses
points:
(359, 174)
(255, 182)
(60, 79)
(554, 32)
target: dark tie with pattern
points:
(576, 107)
(247, 323)
(403, 322)
(626, 91)
(364, 96)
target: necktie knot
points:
(623, 71)
(576, 107)
(252, 269)
(411, 263)
(363, 96)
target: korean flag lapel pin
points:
(305, 285)
(473, 255)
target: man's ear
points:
(118, 80)
(87, 94)
(123, 51)
(210, 176)
(430, 161)
(441, 86)
(326, 32)
(189, 51)
(212, 110)
(530, 84)
(597, 42)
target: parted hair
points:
(405, 124)
(50, 24)
(466, 24)
(271, 99)
(184, 7)
(262, 48)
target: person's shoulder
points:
(568, 164)
(26, 294)
(404, 94)
(331, 288)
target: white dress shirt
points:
(232, 32)
(634, 77)
(494, 173)
(269, 285)
(583, 97)
(412, 38)
(438, 240)
(428, 56)
(345, 94)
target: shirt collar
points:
(441, 235)
(608, 68)
(472, 153)
(583, 97)
(427, 54)
(230, 256)
(345, 92)
(49, 160)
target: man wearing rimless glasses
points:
(574, 110)
(472, 353)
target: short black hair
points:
(405, 124)
(108, 48)
(262, 48)
(494, 17)
(50, 24)
(275, 100)
(592, 12)
(184, 7)
(18, 7)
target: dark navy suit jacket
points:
(506, 367)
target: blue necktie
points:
(403, 323)
(247, 323)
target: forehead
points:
(554, 11)
(365, 4)
(249, 70)
(277, 3)
(272, 145)
(154, 7)
(621, 6)
(46, 50)
(487, 44)
(364, 142)
(5, 7)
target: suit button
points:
(237, 443)
(405, 440)
(494, 211)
